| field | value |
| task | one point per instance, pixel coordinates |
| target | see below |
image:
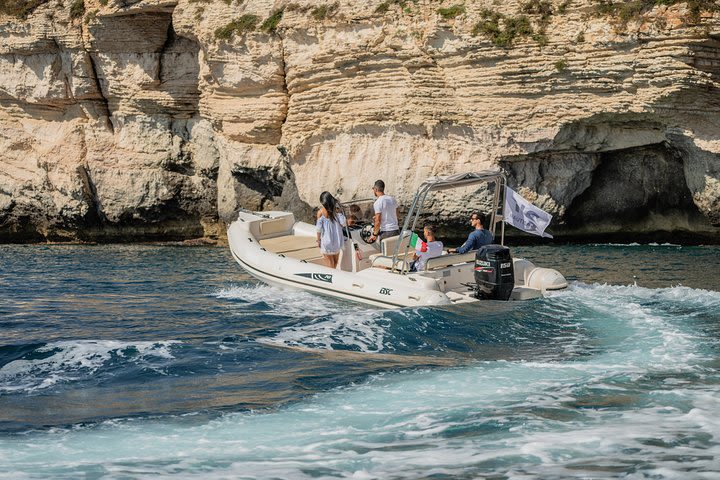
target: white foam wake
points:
(360, 330)
(76, 360)
(286, 302)
(628, 411)
(645, 329)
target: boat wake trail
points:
(490, 331)
(278, 302)
(597, 381)
(362, 331)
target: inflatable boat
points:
(279, 250)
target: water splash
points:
(362, 331)
(71, 361)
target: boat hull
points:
(379, 287)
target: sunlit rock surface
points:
(135, 121)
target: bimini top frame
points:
(435, 184)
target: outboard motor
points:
(494, 273)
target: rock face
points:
(148, 120)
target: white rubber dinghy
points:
(274, 248)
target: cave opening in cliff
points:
(636, 194)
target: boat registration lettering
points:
(505, 265)
(385, 291)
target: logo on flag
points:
(522, 214)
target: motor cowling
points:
(494, 275)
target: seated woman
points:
(426, 250)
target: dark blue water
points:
(150, 361)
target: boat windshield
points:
(359, 212)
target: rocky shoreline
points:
(156, 120)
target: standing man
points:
(477, 237)
(386, 214)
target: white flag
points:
(522, 214)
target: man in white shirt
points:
(426, 250)
(386, 214)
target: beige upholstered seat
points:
(274, 226)
(450, 259)
(387, 247)
(288, 243)
(385, 262)
(293, 246)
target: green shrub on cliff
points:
(20, 8)
(384, 7)
(451, 12)
(562, 8)
(503, 34)
(489, 25)
(77, 9)
(271, 23)
(541, 39)
(295, 7)
(542, 10)
(537, 7)
(322, 12)
(91, 16)
(244, 24)
(633, 10)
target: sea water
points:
(153, 361)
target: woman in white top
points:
(329, 229)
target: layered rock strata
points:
(145, 120)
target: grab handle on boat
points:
(359, 285)
(413, 297)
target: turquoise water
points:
(155, 361)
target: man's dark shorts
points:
(392, 233)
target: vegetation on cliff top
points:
(451, 12)
(324, 11)
(244, 24)
(502, 30)
(271, 23)
(627, 11)
(384, 7)
(20, 8)
(77, 9)
(248, 23)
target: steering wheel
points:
(366, 233)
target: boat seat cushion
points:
(387, 245)
(277, 225)
(288, 243)
(450, 259)
(385, 261)
(304, 254)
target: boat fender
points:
(545, 279)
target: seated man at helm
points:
(426, 250)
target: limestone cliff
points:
(158, 119)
